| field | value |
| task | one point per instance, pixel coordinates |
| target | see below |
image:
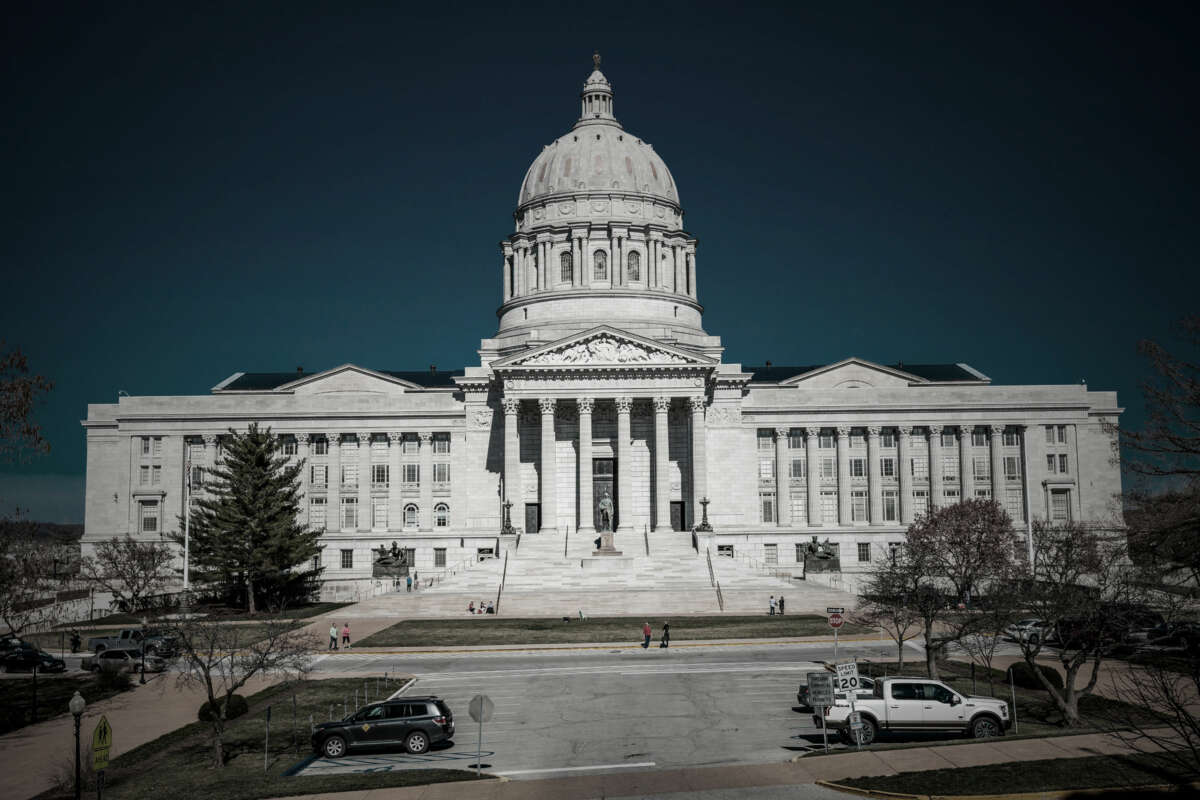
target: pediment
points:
(604, 346)
(854, 373)
(347, 379)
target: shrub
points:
(1022, 675)
(237, 706)
(113, 680)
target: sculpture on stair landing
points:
(606, 512)
(821, 557)
(391, 563)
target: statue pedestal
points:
(606, 545)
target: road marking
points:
(575, 769)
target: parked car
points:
(919, 704)
(1031, 630)
(1182, 635)
(10, 643)
(413, 723)
(24, 659)
(123, 660)
(132, 639)
(866, 690)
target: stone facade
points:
(601, 376)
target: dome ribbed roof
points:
(598, 157)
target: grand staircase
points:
(557, 574)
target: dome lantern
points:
(596, 99)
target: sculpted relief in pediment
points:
(605, 350)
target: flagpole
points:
(187, 519)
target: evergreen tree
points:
(245, 540)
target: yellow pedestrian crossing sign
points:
(101, 742)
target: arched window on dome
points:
(410, 516)
(633, 266)
(600, 262)
(566, 268)
(441, 516)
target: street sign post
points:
(836, 620)
(847, 681)
(480, 708)
(820, 697)
(101, 745)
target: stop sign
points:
(836, 620)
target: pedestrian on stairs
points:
(408, 583)
(471, 607)
(772, 605)
(346, 634)
(646, 633)
(781, 605)
(333, 636)
(666, 637)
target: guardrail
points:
(503, 577)
(720, 597)
(646, 536)
(712, 578)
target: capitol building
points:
(601, 401)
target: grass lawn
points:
(504, 630)
(179, 763)
(223, 612)
(53, 640)
(1058, 774)
(53, 693)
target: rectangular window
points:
(412, 473)
(145, 445)
(771, 554)
(801, 548)
(1014, 504)
(1062, 434)
(920, 467)
(144, 476)
(379, 448)
(319, 474)
(1011, 438)
(978, 438)
(887, 439)
(826, 441)
(410, 445)
(828, 467)
(441, 443)
(920, 502)
(350, 474)
(887, 467)
(379, 514)
(798, 470)
(891, 503)
(951, 495)
(379, 475)
(316, 563)
(858, 468)
(981, 468)
(858, 506)
(148, 511)
(1062, 464)
(766, 468)
(829, 507)
(350, 513)
(983, 494)
(1012, 468)
(320, 447)
(864, 552)
(948, 439)
(1051, 463)
(764, 439)
(858, 440)
(439, 556)
(197, 478)
(290, 447)
(950, 468)
(156, 475)
(441, 473)
(347, 559)
(725, 550)
(1049, 434)
(766, 501)
(316, 513)
(157, 450)
(796, 439)
(1060, 505)
(196, 451)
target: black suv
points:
(415, 723)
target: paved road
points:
(576, 712)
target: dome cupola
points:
(596, 101)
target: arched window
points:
(411, 519)
(634, 266)
(441, 515)
(600, 260)
(566, 268)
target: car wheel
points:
(867, 734)
(334, 747)
(416, 742)
(986, 727)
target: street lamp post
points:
(76, 705)
(142, 680)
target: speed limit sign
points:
(847, 678)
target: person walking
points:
(333, 636)
(408, 582)
(781, 605)
(346, 634)
(646, 633)
(666, 637)
(471, 607)
(772, 605)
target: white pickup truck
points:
(918, 704)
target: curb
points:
(1057, 794)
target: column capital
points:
(585, 405)
(210, 439)
(904, 430)
(624, 404)
(934, 430)
(662, 405)
(364, 437)
(546, 404)
(997, 430)
(874, 430)
(843, 431)
(511, 405)
(697, 404)
(395, 437)
(333, 439)
(782, 433)
(425, 436)
(301, 438)
(812, 431)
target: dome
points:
(598, 157)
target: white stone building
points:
(602, 379)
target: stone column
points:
(843, 465)
(547, 481)
(966, 477)
(783, 482)
(505, 267)
(691, 265)
(512, 462)
(677, 253)
(662, 479)
(995, 443)
(699, 462)
(425, 512)
(812, 436)
(543, 271)
(624, 462)
(395, 506)
(518, 271)
(586, 503)
(305, 477)
(904, 457)
(936, 498)
(333, 495)
(612, 260)
(364, 482)
(585, 269)
(874, 476)
(654, 266)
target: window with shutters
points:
(146, 445)
(156, 452)
(156, 475)
(144, 475)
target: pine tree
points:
(245, 540)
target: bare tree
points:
(884, 601)
(999, 607)
(221, 658)
(19, 393)
(27, 579)
(1084, 585)
(131, 570)
(1173, 695)
(963, 543)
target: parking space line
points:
(575, 769)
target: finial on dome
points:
(596, 60)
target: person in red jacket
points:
(646, 633)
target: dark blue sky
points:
(197, 191)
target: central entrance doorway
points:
(604, 477)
